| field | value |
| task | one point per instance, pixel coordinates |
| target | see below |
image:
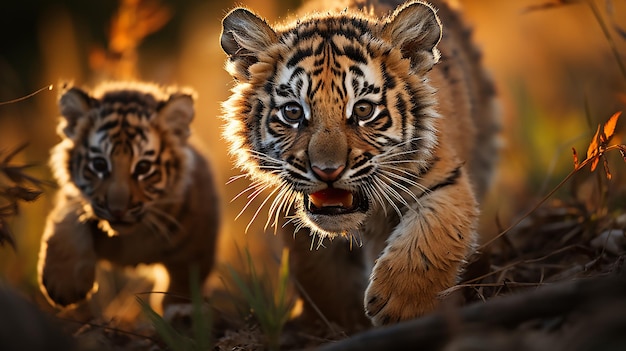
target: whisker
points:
(235, 178)
(380, 185)
(274, 210)
(264, 157)
(404, 143)
(253, 186)
(256, 213)
(252, 197)
(418, 162)
(288, 200)
(404, 179)
(156, 226)
(388, 155)
(371, 192)
(401, 187)
(166, 216)
(393, 193)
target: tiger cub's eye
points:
(99, 164)
(292, 112)
(363, 109)
(143, 167)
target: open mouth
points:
(332, 201)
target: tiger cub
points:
(380, 130)
(132, 190)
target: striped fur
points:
(377, 128)
(132, 189)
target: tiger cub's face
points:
(334, 110)
(123, 150)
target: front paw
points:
(182, 316)
(397, 292)
(67, 282)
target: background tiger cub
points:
(376, 129)
(132, 190)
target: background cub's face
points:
(120, 169)
(125, 152)
(325, 108)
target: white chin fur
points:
(332, 226)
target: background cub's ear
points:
(177, 113)
(244, 35)
(74, 104)
(416, 29)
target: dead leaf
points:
(575, 155)
(600, 142)
(606, 168)
(609, 126)
(592, 150)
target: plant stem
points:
(607, 35)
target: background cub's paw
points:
(69, 282)
(397, 293)
(182, 316)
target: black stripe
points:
(364, 171)
(337, 89)
(109, 125)
(300, 55)
(390, 82)
(284, 90)
(450, 180)
(382, 122)
(295, 175)
(356, 71)
(313, 91)
(401, 107)
(364, 158)
(354, 53)
(296, 72)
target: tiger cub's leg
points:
(67, 261)
(177, 307)
(424, 255)
(333, 278)
(179, 288)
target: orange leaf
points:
(575, 155)
(606, 169)
(593, 146)
(609, 126)
(594, 163)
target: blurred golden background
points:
(555, 72)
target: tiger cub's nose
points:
(328, 174)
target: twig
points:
(47, 87)
(608, 36)
(104, 327)
(534, 208)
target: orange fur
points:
(132, 190)
(391, 114)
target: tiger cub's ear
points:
(177, 113)
(74, 104)
(244, 35)
(416, 29)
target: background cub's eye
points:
(292, 112)
(363, 109)
(143, 167)
(99, 164)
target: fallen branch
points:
(434, 331)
